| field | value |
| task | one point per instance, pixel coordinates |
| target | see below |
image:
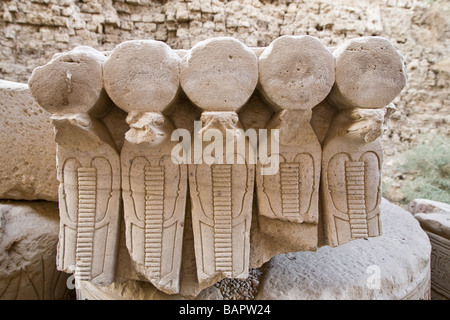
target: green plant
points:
(427, 168)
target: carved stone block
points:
(369, 74)
(437, 227)
(70, 86)
(219, 75)
(296, 73)
(142, 78)
(311, 151)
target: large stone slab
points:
(28, 157)
(28, 239)
(434, 218)
(395, 265)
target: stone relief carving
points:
(369, 74)
(219, 75)
(142, 78)
(328, 111)
(303, 77)
(88, 165)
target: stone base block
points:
(395, 265)
(28, 239)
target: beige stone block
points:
(150, 86)
(219, 75)
(351, 175)
(28, 240)
(296, 73)
(28, 157)
(393, 266)
(88, 164)
(428, 206)
(154, 186)
(370, 73)
(71, 82)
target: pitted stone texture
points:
(28, 238)
(296, 72)
(28, 157)
(428, 206)
(219, 74)
(71, 83)
(395, 265)
(142, 76)
(370, 73)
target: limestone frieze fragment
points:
(70, 87)
(142, 78)
(370, 73)
(295, 74)
(219, 75)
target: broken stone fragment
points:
(28, 239)
(370, 73)
(71, 82)
(28, 157)
(219, 75)
(70, 87)
(142, 78)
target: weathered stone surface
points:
(71, 82)
(296, 72)
(418, 29)
(427, 206)
(395, 265)
(88, 164)
(229, 236)
(28, 157)
(436, 223)
(137, 290)
(28, 239)
(142, 76)
(219, 74)
(370, 73)
(351, 175)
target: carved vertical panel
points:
(154, 211)
(222, 208)
(154, 191)
(87, 187)
(221, 197)
(351, 176)
(356, 202)
(89, 205)
(290, 189)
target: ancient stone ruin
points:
(185, 167)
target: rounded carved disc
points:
(142, 76)
(296, 72)
(370, 73)
(219, 74)
(70, 82)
